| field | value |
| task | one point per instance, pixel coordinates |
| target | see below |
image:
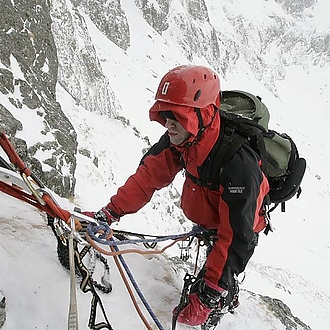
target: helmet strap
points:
(201, 127)
(200, 119)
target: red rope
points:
(50, 208)
(12, 154)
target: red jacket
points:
(234, 210)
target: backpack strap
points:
(225, 149)
(235, 131)
(244, 130)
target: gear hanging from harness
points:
(63, 256)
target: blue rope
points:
(138, 291)
(93, 229)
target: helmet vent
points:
(197, 95)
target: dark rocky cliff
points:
(28, 77)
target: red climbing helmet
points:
(190, 85)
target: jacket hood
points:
(198, 149)
(186, 115)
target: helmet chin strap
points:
(200, 118)
(201, 127)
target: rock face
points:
(2, 310)
(110, 19)
(28, 76)
(282, 312)
(155, 13)
(296, 7)
(79, 69)
(42, 44)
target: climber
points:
(187, 103)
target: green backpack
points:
(244, 119)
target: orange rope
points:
(116, 253)
(137, 308)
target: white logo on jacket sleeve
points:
(236, 190)
(165, 88)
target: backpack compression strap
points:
(236, 132)
(226, 147)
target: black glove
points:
(210, 294)
(104, 215)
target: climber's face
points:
(176, 132)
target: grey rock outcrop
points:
(28, 77)
(156, 17)
(110, 19)
(2, 310)
(282, 312)
(79, 69)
